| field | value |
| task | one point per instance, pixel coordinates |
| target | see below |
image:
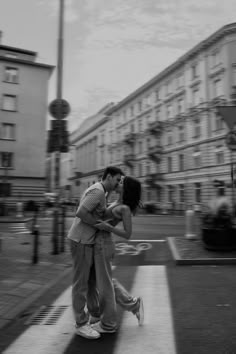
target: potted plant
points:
(218, 231)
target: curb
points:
(196, 261)
(16, 312)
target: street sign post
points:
(59, 108)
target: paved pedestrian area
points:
(22, 281)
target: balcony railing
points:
(155, 128)
(129, 138)
(155, 152)
(129, 159)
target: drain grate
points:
(46, 315)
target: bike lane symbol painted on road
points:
(132, 250)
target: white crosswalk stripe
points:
(155, 336)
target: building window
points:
(194, 70)
(6, 159)
(169, 164)
(140, 169)
(148, 168)
(181, 193)
(180, 106)
(11, 75)
(9, 103)
(197, 158)
(131, 111)
(195, 97)
(181, 133)
(217, 88)
(157, 114)
(170, 194)
(196, 128)
(198, 192)
(139, 106)
(7, 131)
(157, 97)
(169, 111)
(140, 147)
(169, 138)
(148, 143)
(219, 122)
(219, 155)
(181, 162)
(215, 57)
(140, 125)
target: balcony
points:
(129, 138)
(129, 159)
(155, 180)
(154, 153)
(155, 128)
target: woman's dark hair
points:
(131, 192)
(112, 170)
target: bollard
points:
(36, 244)
(63, 214)
(19, 209)
(190, 231)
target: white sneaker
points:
(97, 326)
(87, 332)
(140, 312)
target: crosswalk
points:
(155, 336)
(15, 229)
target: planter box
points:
(219, 239)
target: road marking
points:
(156, 335)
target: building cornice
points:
(203, 45)
(26, 62)
(17, 50)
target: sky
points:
(111, 47)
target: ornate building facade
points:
(167, 133)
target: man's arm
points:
(86, 216)
(88, 205)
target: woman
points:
(110, 290)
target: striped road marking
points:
(155, 336)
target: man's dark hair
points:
(112, 170)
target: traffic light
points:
(58, 137)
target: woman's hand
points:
(102, 225)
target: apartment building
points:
(88, 156)
(23, 105)
(168, 134)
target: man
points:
(82, 238)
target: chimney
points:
(1, 37)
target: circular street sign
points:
(59, 108)
(231, 140)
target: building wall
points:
(28, 143)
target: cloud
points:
(70, 14)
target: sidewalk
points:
(21, 281)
